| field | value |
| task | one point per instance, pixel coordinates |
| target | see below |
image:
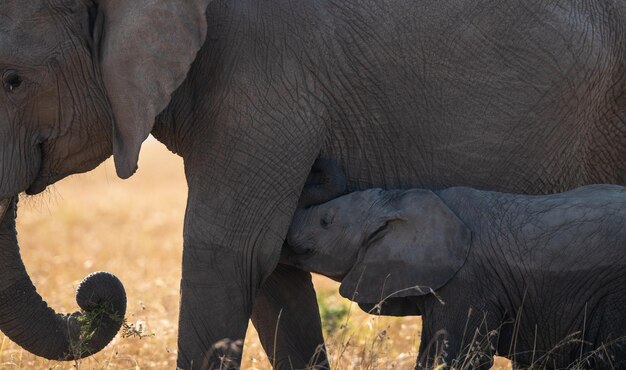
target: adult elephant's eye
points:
(11, 81)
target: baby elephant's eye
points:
(327, 219)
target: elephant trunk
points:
(28, 321)
(325, 182)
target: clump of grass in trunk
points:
(90, 322)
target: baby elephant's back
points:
(570, 250)
(585, 227)
(578, 230)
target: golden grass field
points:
(133, 228)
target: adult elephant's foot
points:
(216, 302)
(286, 316)
(214, 319)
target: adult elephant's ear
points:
(146, 49)
(416, 248)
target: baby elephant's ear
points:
(420, 251)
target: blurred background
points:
(133, 228)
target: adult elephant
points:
(511, 96)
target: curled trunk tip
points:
(65, 337)
(102, 298)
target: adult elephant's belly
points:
(469, 99)
(478, 154)
(411, 158)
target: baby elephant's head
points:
(380, 243)
(327, 238)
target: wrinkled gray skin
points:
(508, 96)
(526, 277)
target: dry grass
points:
(133, 229)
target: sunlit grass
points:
(133, 229)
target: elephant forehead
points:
(14, 14)
(28, 29)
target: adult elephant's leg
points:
(244, 182)
(287, 319)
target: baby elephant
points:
(538, 279)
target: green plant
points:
(90, 321)
(333, 312)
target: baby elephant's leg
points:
(465, 342)
(433, 350)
